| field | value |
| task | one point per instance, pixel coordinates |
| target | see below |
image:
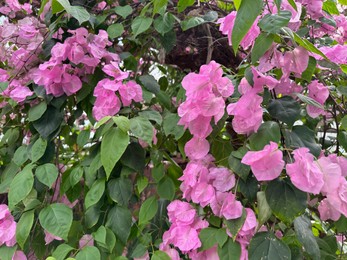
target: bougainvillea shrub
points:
(173, 129)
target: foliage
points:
(161, 129)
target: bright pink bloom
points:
(7, 227)
(331, 174)
(50, 237)
(224, 204)
(338, 198)
(227, 26)
(223, 178)
(266, 164)
(295, 61)
(319, 93)
(114, 71)
(247, 113)
(209, 254)
(304, 173)
(107, 105)
(130, 91)
(181, 212)
(171, 252)
(336, 53)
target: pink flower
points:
(50, 237)
(304, 173)
(181, 212)
(338, 198)
(197, 148)
(130, 91)
(319, 93)
(295, 61)
(247, 113)
(266, 164)
(7, 227)
(224, 204)
(331, 174)
(327, 211)
(19, 255)
(107, 105)
(209, 254)
(114, 71)
(227, 26)
(223, 178)
(171, 252)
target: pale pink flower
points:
(304, 173)
(19, 255)
(327, 211)
(319, 93)
(7, 227)
(86, 240)
(266, 164)
(197, 148)
(50, 237)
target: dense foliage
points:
(173, 129)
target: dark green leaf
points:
(272, 23)
(119, 221)
(7, 252)
(208, 237)
(285, 201)
(264, 210)
(308, 45)
(115, 30)
(149, 83)
(148, 210)
(160, 255)
(170, 125)
(285, 109)
(235, 225)
(152, 115)
(113, 145)
(47, 174)
(166, 188)
(88, 253)
(95, 193)
(21, 186)
(239, 168)
(142, 128)
(61, 251)
(141, 24)
(231, 250)
(302, 136)
(56, 219)
(246, 15)
(23, 227)
(164, 24)
(48, 122)
(38, 149)
(265, 245)
(183, 4)
(37, 111)
(120, 190)
(308, 73)
(21, 155)
(303, 230)
(268, 131)
(191, 22)
(134, 157)
(261, 45)
(123, 11)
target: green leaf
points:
(21, 186)
(115, 30)
(120, 190)
(160, 255)
(342, 2)
(21, 155)
(56, 219)
(285, 109)
(272, 23)
(261, 45)
(302, 136)
(235, 225)
(308, 100)
(344, 123)
(166, 188)
(23, 227)
(142, 183)
(265, 245)
(268, 131)
(113, 145)
(246, 15)
(308, 45)
(134, 157)
(330, 7)
(148, 210)
(164, 24)
(208, 237)
(152, 115)
(38, 149)
(303, 230)
(78, 12)
(311, 67)
(149, 83)
(105, 238)
(170, 126)
(6, 252)
(71, 178)
(123, 11)
(61, 251)
(122, 122)
(88, 253)
(37, 111)
(141, 24)
(158, 5)
(47, 174)
(221, 149)
(191, 22)
(142, 128)
(119, 221)
(264, 210)
(285, 201)
(341, 224)
(183, 4)
(231, 250)
(95, 193)
(48, 122)
(239, 168)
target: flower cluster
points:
(13, 6)
(7, 227)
